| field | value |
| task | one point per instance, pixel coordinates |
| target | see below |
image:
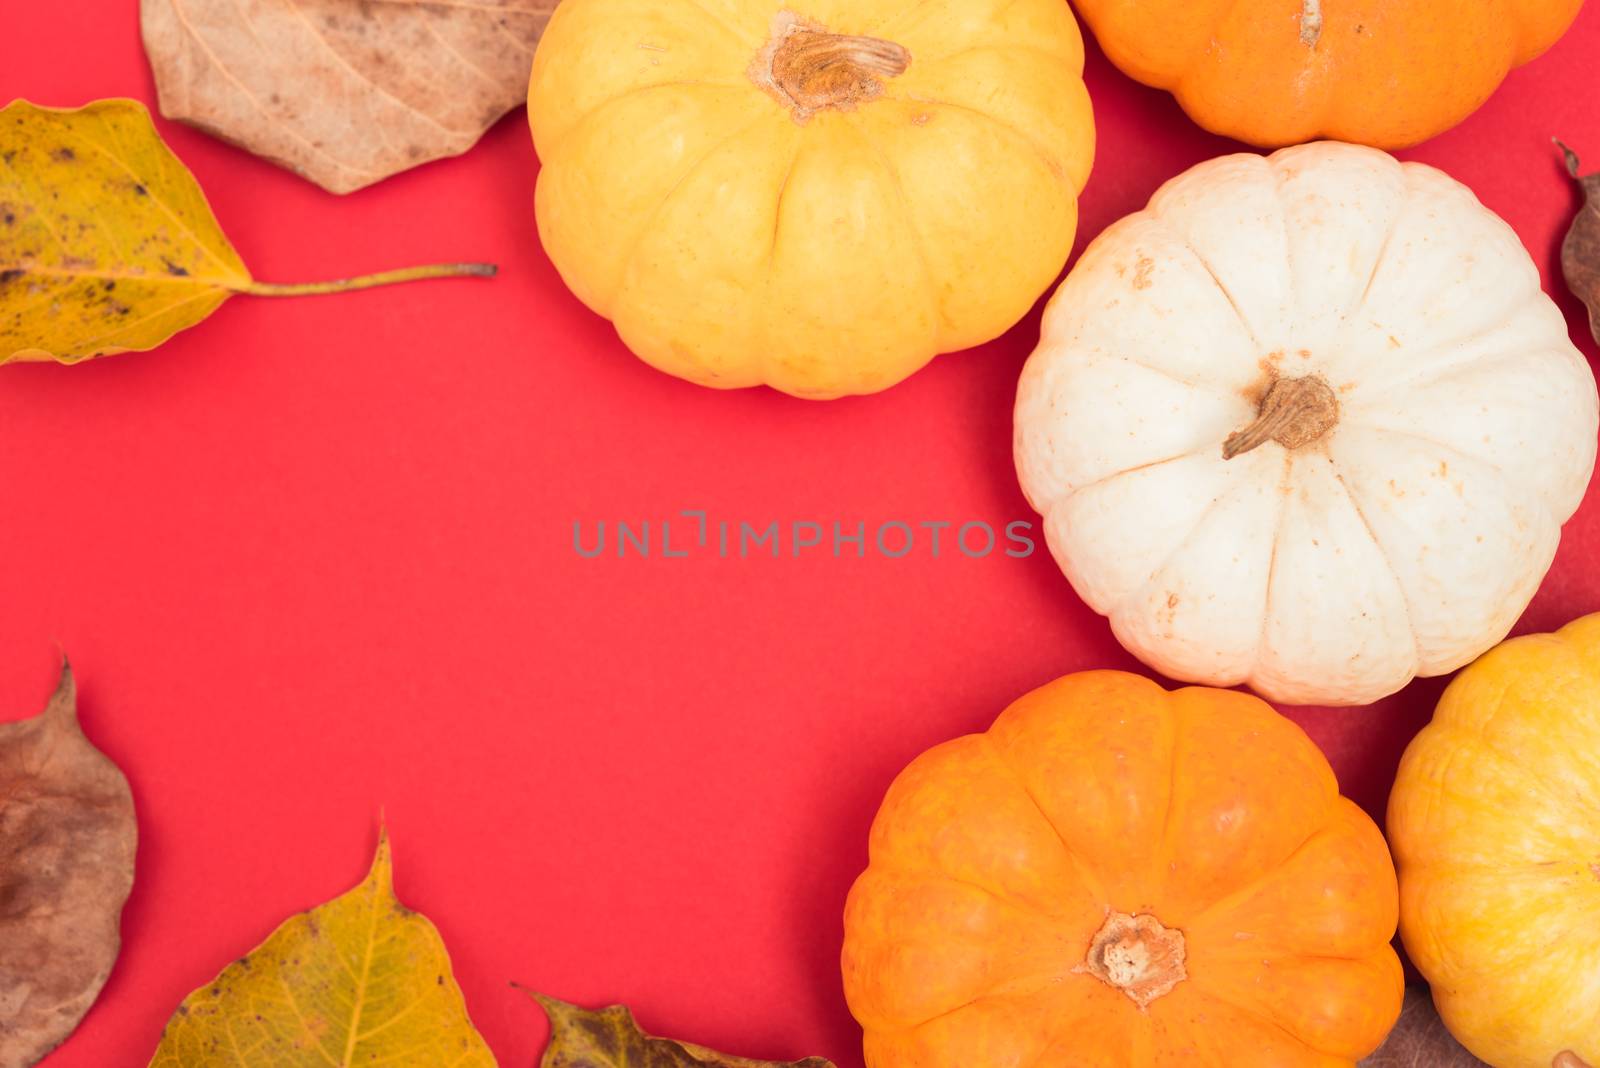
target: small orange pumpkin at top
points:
(1117, 876)
(819, 197)
(1386, 73)
(1495, 824)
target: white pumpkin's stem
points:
(1137, 955)
(809, 69)
(1295, 412)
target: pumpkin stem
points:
(1568, 1059)
(1295, 412)
(809, 69)
(1138, 956)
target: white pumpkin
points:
(1307, 422)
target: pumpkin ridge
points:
(1103, 479)
(1200, 991)
(1265, 947)
(1009, 46)
(1486, 750)
(716, 20)
(895, 21)
(1085, 873)
(1265, 1019)
(1048, 981)
(637, 242)
(1285, 488)
(909, 218)
(1053, 165)
(1205, 514)
(553, 143)
(765, 329)
(1265, 876)
(1208, 387)
(1372, 426)
(1420, 379)
(1174, 81)
(906, 871)
(1175, 739)
(1388, 562)
(1355, 313)
(1188, 243)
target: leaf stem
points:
(1571, 156)
(368, 281)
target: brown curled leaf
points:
(67, 840)
(107, 243)
(1580, 253)
(609, 1038)
(1419, 1039)
(344, 93)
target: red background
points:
(313, 562)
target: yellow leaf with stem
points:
(107, 243)
(360, 980)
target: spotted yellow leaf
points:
(361, 980)
(107, 243)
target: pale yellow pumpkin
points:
(820, 198)
(1493, 823)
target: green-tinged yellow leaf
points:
(362, 980)
(107, 243)
(609, 1038)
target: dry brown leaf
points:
(67, 838)
(344, 92)
(1580, 254)
(609, 1038)
(1420, 1040)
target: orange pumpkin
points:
(1115, 876)
(1388, 73)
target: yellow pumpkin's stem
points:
(1295, 412)
(368, 281)
(809, 69)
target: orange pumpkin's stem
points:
(1295, 412)
(1568, 1059)
(809, 69)
(1137, 955)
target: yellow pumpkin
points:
(819, 198)
(1495, 826)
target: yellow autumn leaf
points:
(361, 980)
(107, 243)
